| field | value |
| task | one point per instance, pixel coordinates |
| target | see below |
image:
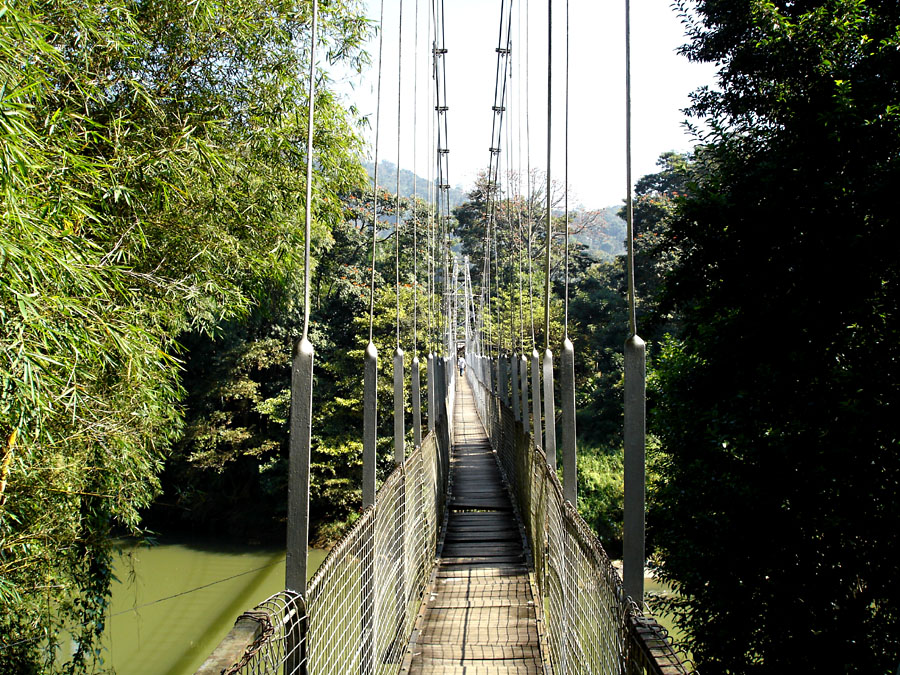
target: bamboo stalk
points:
(7, 459)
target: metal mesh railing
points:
(362, 602)
(590, 625)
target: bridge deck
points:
(479, 617)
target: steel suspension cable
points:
(399, 408)
(567, 357)
(302, 375)
(521, 232)
(309, 167)
(370, 374)
(548, 227)
(536, 434)
(415, 210)
(549, 410)
(629, 203)
(399, 137)
(375, 178)
(415, 383)
(528, 162)
(633, 540)
(566, 186)
(432, 194)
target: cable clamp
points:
(498, 108)
(439, 51)
(503, 50)
(441, 108)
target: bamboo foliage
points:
(150, 183)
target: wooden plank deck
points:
(479, 616)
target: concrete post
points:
(635, 428)
(298, 470)
(567, 393)
(549, 411)
(416, 402)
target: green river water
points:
(175, 601)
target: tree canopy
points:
(778, 512)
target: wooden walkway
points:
(479, 616)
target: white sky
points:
(661, 82)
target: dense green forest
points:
(152, 182)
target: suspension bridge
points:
(470, 558)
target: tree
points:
(150, 186)
(778, 419)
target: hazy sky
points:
(661, 82)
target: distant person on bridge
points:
(462, 365)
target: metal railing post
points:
(549, 411)
(429, 373)
(536, 399)
(635, 427)
(514, 362)
(370, 440)
(416, 386)
(567, 393)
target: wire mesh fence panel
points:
(339, 594)
(390, 598)
(590, 625)
(362, 601)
